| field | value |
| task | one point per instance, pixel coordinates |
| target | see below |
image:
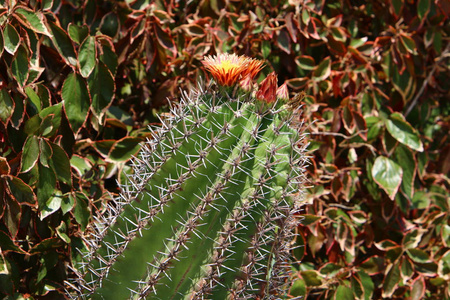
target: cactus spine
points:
(210, 208)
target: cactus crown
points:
(210, 209)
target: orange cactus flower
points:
(268, 89)
(227, 69)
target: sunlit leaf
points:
(323, 70)
(418, 289)
(87, 56)
(46, 185)
(78, 33)
(63, 43)
(47, 244)
(76, 100)
(6, 106)
(61, 164)
(124, 149)
(67, 203)
(311, 278)
(418, 255)
(391, 280)
(306, 62)
(409, 43)
(405, 158)
(403, 132)
(367, 284)
(344, 293)
(298, 288)
(35, 19)
(21, 191)
(30, 153)
(388, 175)
(51, 206)
(20, 66)
(102, 88)
(11, 39)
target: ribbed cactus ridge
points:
(209, 210)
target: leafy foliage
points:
(81, 80)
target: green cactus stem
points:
(209, 210)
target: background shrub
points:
(81, 80)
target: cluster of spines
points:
(273, 222)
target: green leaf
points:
(55, 112)
(22, 192)
(61, 164)
(444, 265)
(76, 100)
(80, 164)
(108, 56)
(388, 175)
(51, 206)
(19, 111)
(397, 5)
(2, 43)
(323, 70)
(35, 19)
(391, 280)
(61, 230)
(407, 269)
(46, 4)
(403, 132)
(101, 87)
(306, 62)
(404, 82)
(405, 158)
(11, 39)
(45, 152)
(6, 106)
(87, 56)
(409, 43)
(81, 210)
(8, 245)
(78, 33)
(367, 284)
(45, 185)
(343, 293)
(284, 41)
(266, 48)
(20, 66)
(30, 153)
(47, 244)
(67, 203)
(412, 238)
(423, 8)
(63, 43)
(418, 289)
(124, 149)
(110, 24)
(298, 288)
(418, 256)
(297, 83)
(33, 98)
(311, 278)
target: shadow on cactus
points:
(210, 208)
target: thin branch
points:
(426, 81)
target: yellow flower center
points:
(228, 65)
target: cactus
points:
(210, 208)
